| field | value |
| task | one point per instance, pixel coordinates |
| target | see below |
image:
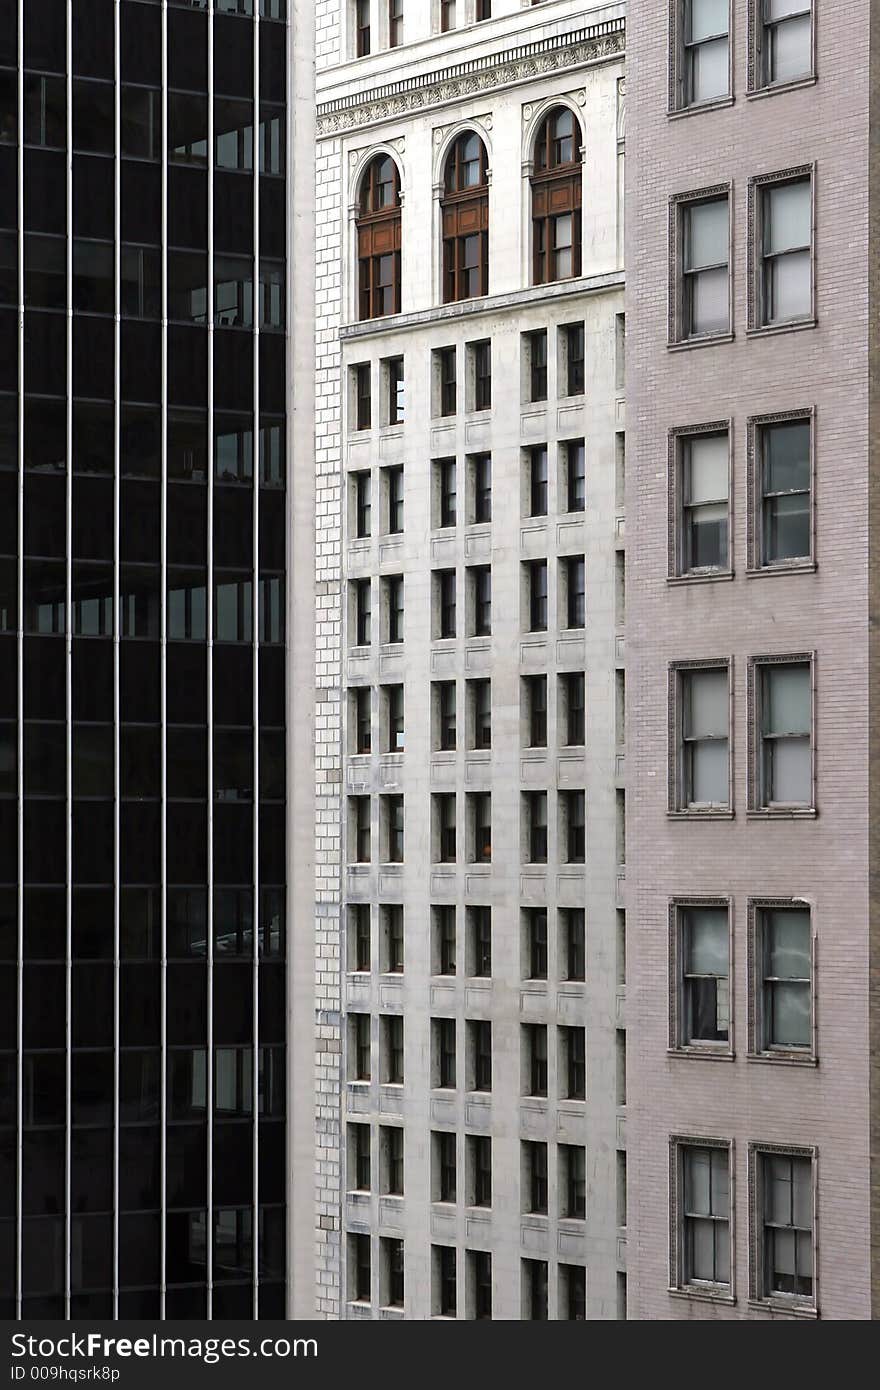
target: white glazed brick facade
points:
(503, 95)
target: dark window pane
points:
(92, 37)
(92, 923)
(140, 923)
(187, 764)
(45, 924)
(45, 192)
(188, 370)
(188, 51)
(45, 114)
(44, 512)
(140, 836)
(188, 129)
(141, 202)
(138, 1167)
(45, 34)
(94, 117)
(233, 213)
(140, 515)
(140, 440)
(187, 514)
(92, 1005)
(92, 842)
(45, 837)
(140, 675)
(187, 1003)
(45, 271)
(92, 1088)
(92, 1170)
(93, 756)
(93, 196)
(233, 684)
(187, 684)
(45, 354)
(92, 681)
(44, 677)
(139, 1004)
(92, 516)
(93, 360)
(141, 361)
(140, 43)
(187, 843)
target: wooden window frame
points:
(557, 191)
(464, 214)
(378, 236)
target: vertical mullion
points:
(68, 640)
(255, 633)
(117, 710)
(209, 654)
(20, 680)
(163, 688)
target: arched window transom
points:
(379, 239)
(465, 210)
(556, 198)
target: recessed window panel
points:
(272, 844)
(233, 49)
(233, 213)
(233, 923)
(92, 1005)
(233, 765)
(139, 1150)
(8, 514)
(45, 35)
(45, 756)
(92, 600)
(45, 923)
(8, 596)
(8, 265)
(44, 1006)
(9, 432)
(233, 1003)
(272, 687)
(92, 842)
(140, 831)
(141, 202)
(233, 292)
(272, 766)
(93, 357)
(273, 530)
(273, 65)
(139, 1004)
(233, 609)
(187, 207)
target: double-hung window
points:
(782, 470)
(782, 42)
(701, 945)
(783, 292)
(701, 1242)
(704, 291)
(782, 979)
(704, 730)
(784, 766)
(784, 1263)
(702, 481)
(704, 54)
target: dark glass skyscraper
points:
(143, 524)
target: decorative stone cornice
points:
(595, 44)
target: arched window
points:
(465, 207)
(378, 234)
(556, 198)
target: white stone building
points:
(469, 968)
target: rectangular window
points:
(444, 939)
(444, 828)
(783, 469)
(534, 943)
(394, 499)
(393, 817)
(479, 1039)
(394, 716)
(444, 704)
(572, 1293)
(573, 1063)
(479, 813)
(535, 711)
(572, 943)
(574, 578)
(360, 817)
(444, 1150)
(535, 1184)
(391, 918)
(574, 359)
(703, 292)
(481, 356)
(479, 930)
(359, 1053)
(359, 942)
(484, 10)
(359, 1136)
(392, 1049)
(480, 584)
(479, 1277)
(783, 41)
(783, 984)
(445, 1283)
(363, 508)
(702, 56)
(444, 1053)
(784, 772)
(395, 23)
(393, 585)
(481, 473)
(575, 475)
(362, 28)
(701, 946)
(392, 1272)
(445, 367)
(445, 581)
(536, 364)
(572, 1181)
(535, 815)
(363, 396)
(359, 1268)
(701, 482)
(363, 612)
(391, 1149)
(700, 1174)
(446, 471)
(573, 722)
(783, 1223)
(703, 740)
(538, 481)
(362, 719)
(479, 1154)
(480, 693)
(573, 827)
(534, 1041)
(536, 575)
(447, 23)
(395, 399)
(784, 257)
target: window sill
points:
(794, 1310)
(699, 108)
(774, 330)
(707, 1054)
(785, 1059)
(689, 344)
(773, 89)
(782, 813)
(702, 1295)
(707, 577)
(799, 567)
(700, 815)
